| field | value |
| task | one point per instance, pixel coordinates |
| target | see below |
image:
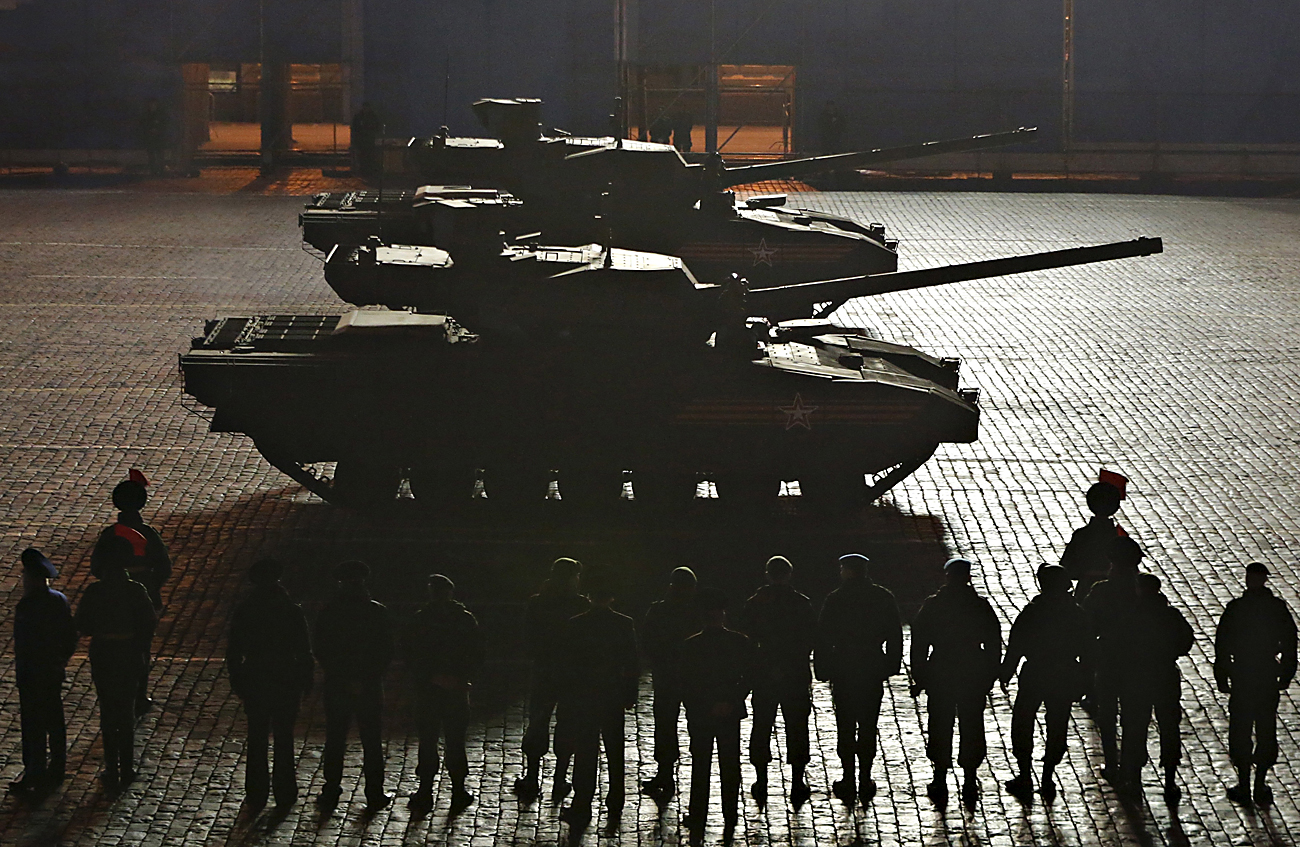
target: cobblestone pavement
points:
(1178, 370)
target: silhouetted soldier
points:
(717, 666)
(956, 656)
(600, 673)
(271, 667)
(1087, 556)
(661, 129)
(153, 134)
(683, 123)
(668, 623)
(1110, 605)
(44, 638)
(117, 616)
(859, 646)
(1052, 635)
(549, 611)
(444, 651)
(830, 127)
(1160, 634)
(151, 569)
(1254, 661)
(366, 127)
(782, 625)
(354, 645)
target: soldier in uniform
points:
(271, 667)
(354, 645)
(782, 625)
(151, 569)
(44, 638)
(1159, 635)
(668, 623)
(600, 673)
(717, 667)
(549, 611)
(1254, 661)
(859, 646)
(444, 651)
(1110, 605)
(956, 657)
(1087, 557)
(1052, 635)
(118, 617)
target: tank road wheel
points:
(442, 487)
(516, 487)
(365, 483)
(664, 492)
(591, 489)
(748, 493)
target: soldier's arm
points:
(160, 561)
(67, 632)
(306, 664)
(1015, 649)
(1288, 645)
(631, 662)
(992, 642)
(1223, 637)
(894, 637)
(385, 639)
(823, 644)
(920, 645)
(1184, 635)
(477, 648)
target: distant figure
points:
(1254, 661)
(782, 625)
(44, 638)
(118, 617)
(444, 652)
(683, 124)
(1087, 556)
(153, 135)
(599, 675)
(717, 668)
(859, 646)
(354, 645)
(668, 623)
(1111, 605)
(661, 129)
(1159, 636)
(151, 570)
(549, 611)
(956, 657)
(1052, 634)
(830, 128)
(269, 660)
(366, 128)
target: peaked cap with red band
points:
(138, 478)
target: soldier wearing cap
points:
(1110, 605)
(118, 617)
(599, 674)
(1051, 634)
(444, 653)
(667, 625)
(956, 657)
(354, 645)
(44, 638)
(859, 646)
(549, 611)
(270, 663)
(152, 568)
(1254, 661)
(1159, 636)
(1087, 556)
(781, 623)
(716, 672)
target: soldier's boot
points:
(661, 784)
(1240, 793)
(422, 800)
(126, 765)
(1172, 792)
(729, 829)
(970, 789)
(799, 791)
(460, 798)
(1263, 794)
(1047, 788)
(845, 789)
(937, 790)
(759, 789)
(529, 785)
(1020, 786)
(560, 786)
(866, 785)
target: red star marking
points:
(763, 254)
(798, 414)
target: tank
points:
(642, 196)
(660, 380)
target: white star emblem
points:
(798, 414)
(763, 254)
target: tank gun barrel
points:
(841, 161)
(792, 301)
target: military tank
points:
(581, 365)
(639, 195)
